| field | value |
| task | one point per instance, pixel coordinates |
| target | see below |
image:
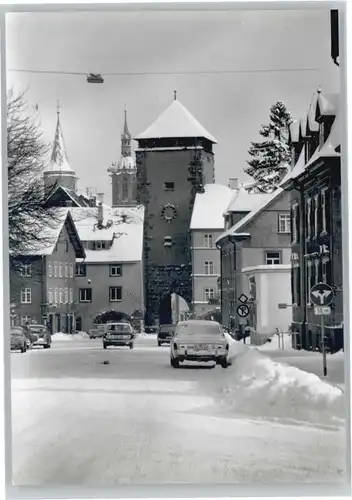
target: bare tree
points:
(26, 155)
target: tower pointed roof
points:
(175, 122)
(59, 161)
(126, 132)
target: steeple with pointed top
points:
(124, 173)
(126, 139)
(59, 171)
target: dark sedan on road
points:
(165, 334)
(118, 334)
(18, 339)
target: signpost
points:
(321, 296)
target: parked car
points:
(118, 334)
(165, 334)
(199, 340)
(18, 339)
(39, 335)
(97, 331)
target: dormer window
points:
(101, 245)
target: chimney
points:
(92, 202)
(233, 183)
(100, 213)
(100, 197)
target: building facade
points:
(43, 290)
(315, 187)
(110, 278)
(207, 224)
(256, 248)
(174, 160)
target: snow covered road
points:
(138, 421)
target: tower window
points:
(169, 186)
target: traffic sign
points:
(243, 310)
(243, 298)
(322, 310)
(282, 306)
(321, 294)
(242, 321)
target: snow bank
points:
(260, 385)
(69, 336)
(275, 344)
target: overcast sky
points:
(231, 106)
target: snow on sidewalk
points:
(260, 385)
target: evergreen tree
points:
(271, 157)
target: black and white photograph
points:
(176, 261)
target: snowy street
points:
(137, 420)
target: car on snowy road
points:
(18, 339)
(39, 336)
(165, 334)
(97, 331)
(118, 334)
(199, 340)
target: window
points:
(316, 208)
(308, 281)
(71, 270)
(26, 295)
(323, 210)
(71, 295)
(61, 298)
(85, 295)
(124, 189)
(56, 295)
(272, 258)
(294, 226)
(169, 186)
(66, 245)
(321, 135)
(50, 295)
(81, 269)
(209, 267)
(50, 270)
(66, 270)
(326, 270)
(26, 270)
(308, 218)
(60, 269)
(295, 283)
(115, 270)
(100, 245)
(55, 269)
(115, 293)
(66, 295)
(25, 319)
(208, 294)
(208, 241)
(316, 271)
(284, 223)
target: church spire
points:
(126, 139)
(59, 161)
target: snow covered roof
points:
(297, 170)
(243, 201)
(312, 124)
(48, 235)
(175, 122)
(235, 229)
(122, 225)
(327, 104)
(209, 207)
(59, 161)
(294, 131)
